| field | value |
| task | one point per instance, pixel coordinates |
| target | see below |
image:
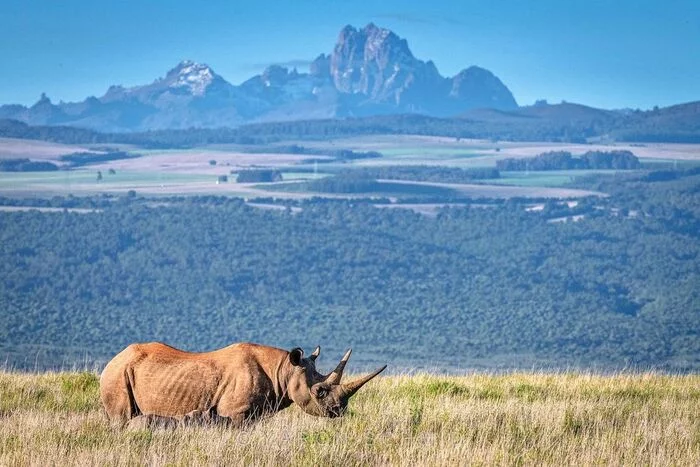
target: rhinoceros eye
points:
(321, 393)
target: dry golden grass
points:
(524, 419)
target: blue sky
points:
(611, 54)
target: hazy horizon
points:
(626, 55)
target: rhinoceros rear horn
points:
(334, 378)
(353, 386)
(314, 355)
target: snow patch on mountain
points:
(194, 76)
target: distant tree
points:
(25, 165)
(259, 176)
(79, 159)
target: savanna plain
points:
(418, 419)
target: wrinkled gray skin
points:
(157, 385)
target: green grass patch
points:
(63, 392)
(543, 178)
(68, 178)
(431, 152)
(323, 436)
(303, 175)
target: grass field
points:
(439, 145)
(549, 178)
(11, 148)
(85, 181)
(478, 419)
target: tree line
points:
(564, 160)
(26, 165)
(566, 123)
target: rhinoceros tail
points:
(134, 408)
(117, 388)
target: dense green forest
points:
(80, 159)
(351, 183)
(496, 286)
(423, 173)
(564, 160)
(258, 176)
(330, 155)
(26, 165)
(377, 181)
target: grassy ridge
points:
(645, 419)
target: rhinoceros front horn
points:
(353, 386)
(337, 374)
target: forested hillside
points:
(560, 123)
(497, 286)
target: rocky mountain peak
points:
(372, 61)
(192, 75)
(382, 43)
(370, 71)
(320, 67)
(478, 87)
(43, 101)
(275, 75)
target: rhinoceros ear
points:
(295, 356)
(315, 354)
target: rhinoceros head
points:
(317, 394)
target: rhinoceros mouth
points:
(336, 411)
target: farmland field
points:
(550, 178)
(423, 419)
(398, 145)
(196, 170)
(41, 150)
(85, 181)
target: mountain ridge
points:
(370, 71)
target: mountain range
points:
(370, 71)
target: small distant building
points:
(222, 179)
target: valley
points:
(420, 246)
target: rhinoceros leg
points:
(244, 412)
(230, 419)
(143, 422)
(193, 418)
(204, 417)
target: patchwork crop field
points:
(196, 171)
